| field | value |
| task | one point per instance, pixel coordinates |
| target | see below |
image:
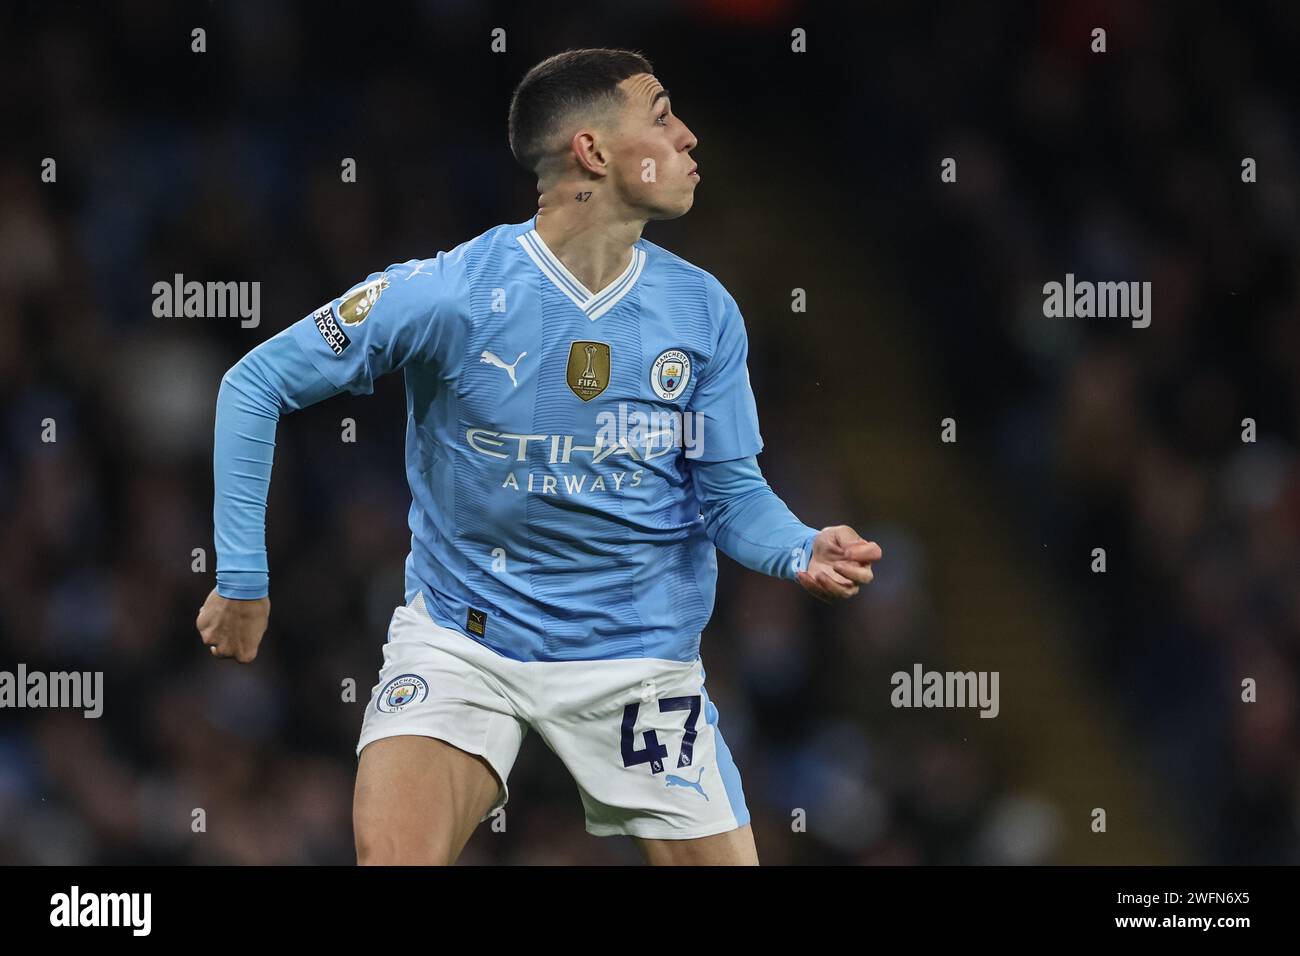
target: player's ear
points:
(588, 151)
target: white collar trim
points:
(594, 304)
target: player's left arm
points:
(746, 519)
(742, 515)
(841, 562)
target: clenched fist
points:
(841, 562)
(233, 628)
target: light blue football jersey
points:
(549, 437)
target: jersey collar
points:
(594, 304)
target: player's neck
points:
(593, 240)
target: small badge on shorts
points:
(401, 691)
(476, 622)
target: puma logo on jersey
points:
(672, 780)
(487, 358)
(418, 271)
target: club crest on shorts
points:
(670, 373)
(401, 691)
(358, 303)
(588, 371)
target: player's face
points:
(652, 169)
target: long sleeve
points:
(744, 517)
(274, 378)
(376, 327)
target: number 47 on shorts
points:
(654, 752)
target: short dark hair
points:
(570, 82)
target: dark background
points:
(820, 171)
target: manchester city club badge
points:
(400, 692)
(670, 373)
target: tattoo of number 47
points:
(654, 752)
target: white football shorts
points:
(639, 735)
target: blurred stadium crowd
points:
(1132, 440)
(1077, 434)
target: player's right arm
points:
(394, 318)
(272, 379)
